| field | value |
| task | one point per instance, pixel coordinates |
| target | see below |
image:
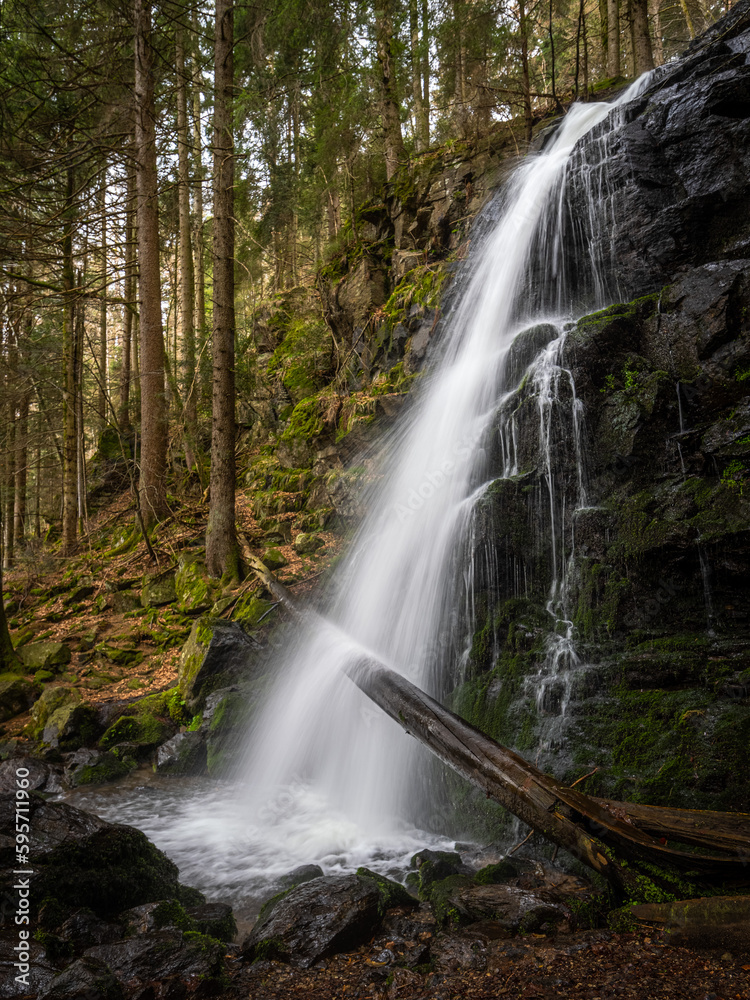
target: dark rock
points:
(41, 776)
(435, 866)
(84, 930)
(16, 695)
(34, 980)
(85, 978)
(158, 590)
(82, 861)
(95, 767)
(392, 894)
(165, 913)
(214, 919)
(318, 918)
(161, 955)
(216, 654)
(185, 753)
(511, 908)
(305, 873)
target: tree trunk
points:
(655, 14)
(153, 478)
(187, 276)
(426, 69)
(22, 448)
(421, 121)
(123, 417)
(221, 542)
(603, 29)
(9, 550)
(613, 39)
(70, 391)
(101, 366)
(525, 80)
(644, 57)
(200, 271)
(395, 153)
(8, 658)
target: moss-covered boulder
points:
(43, 655)
(122, 656)
(146, 723)
(217, 654)
(274, 558)
(307, 542)
(92, 767)
(225, 723)
(194, 588)
(61, 719)
(250, 610)
(158, 590)
(16, 695)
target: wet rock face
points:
(678, 173)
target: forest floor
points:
(588, 965)
(50, 598)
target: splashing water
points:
(327, 776)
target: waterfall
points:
(327, 777)
(397, 591)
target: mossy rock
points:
(16, 695)
(306, 543)
(226, 731)
(99, 769)
(274, 558)
(158, 591)
(71, 726)
(122, 657)
(194, 588)
(215, 920)
(435, 866)
(43, 676)
(52, 698)
(216, 655)
(391, 893)
(43, 655)
(250, 609)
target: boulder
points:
(194, 588)
(144, 724)
(306, 543)
(511, 908)
(83, 929)
(216, 653)
(40, 974)
(158, 590)
(161, 955)
(274, 558)
(41, 776)
(305, 873)
(83, 861)
(434, 866)
(214, 919)
(225, 722)
(16, 695)
(95, 767)
(87, 977)
(184, 754)
(43, 655)
(321, 917)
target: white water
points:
(327, 777)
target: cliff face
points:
(633, 530)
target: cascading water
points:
(327, 777)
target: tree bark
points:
(395, 153)
(421, 121)
(613, 39)
(187, 277)
(102, 398)
(153, 477)
(644, 56)
(655, 15)
(22, 449)
(123, 416)
(525, 79)
(221, 542)
(70, 391)
(200, 271)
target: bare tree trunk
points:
(187, 275)
(9, 550)
(421, 121)
(688, 18)
(644, 57)
(613, 39)
(22, 446)
(8, 658)
(603, 29)
(101, 407)
(80, 328)
(38, 477)
(70, 392)
(525, 79)
(123, 417)
(655, 14)
(395, 153)
(426, 68)
(153, 480)
(200, 271)
(221, 541)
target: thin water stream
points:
(326, 777)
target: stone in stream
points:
(183, 754)
(315, 919)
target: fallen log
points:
(625, 843)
